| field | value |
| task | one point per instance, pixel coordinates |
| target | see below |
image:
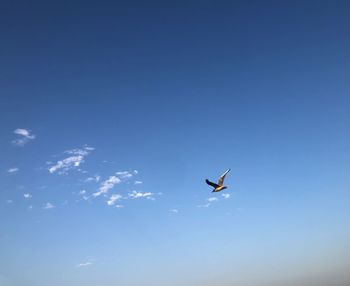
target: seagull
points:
(220, 185)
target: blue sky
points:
(112, 115)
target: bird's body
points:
(220, 185)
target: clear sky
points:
(113, 114)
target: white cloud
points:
(204, 206)
(82, 192)
(137, 182)
(12, 170)
(209, 202)
(24, 132)
(83, 264)
(48, 206)
(71, 162)
(113, 199)
(78, 151)
(124, 174)
(27, 196)
(226, 196)
(67, 164)
(136, 172)
(95, 178)
(212, 199)
(119, 206)
(136, 195)
(174, 211)
(23, 136)
(89, 148)
(107, 185)
(83, 196)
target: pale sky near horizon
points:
(113, 114)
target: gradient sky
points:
(112, 115)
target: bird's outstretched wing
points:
(211, 184)
(222, 178)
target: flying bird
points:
(220, 185)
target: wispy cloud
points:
(137, 182)
(27, 196)
(80, 151)
(124, 174)
(82, 192)
(48, 206)
(9, 201)
(112, 200)
(212, 199)
(72, 162)
(84, 264)
(136, 195)
(107, 185)
(226, 196)
(23, 136)
(12, 170)
(204, 206)
(209, 202)
(174, 211)
(67, 164)
(95, 178)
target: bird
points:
(220, 185)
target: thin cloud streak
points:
(124, 174)
(93, 179)
(136, 195)
(84, 264)
(12, 170)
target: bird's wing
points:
(211, 184)
(222, 178)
